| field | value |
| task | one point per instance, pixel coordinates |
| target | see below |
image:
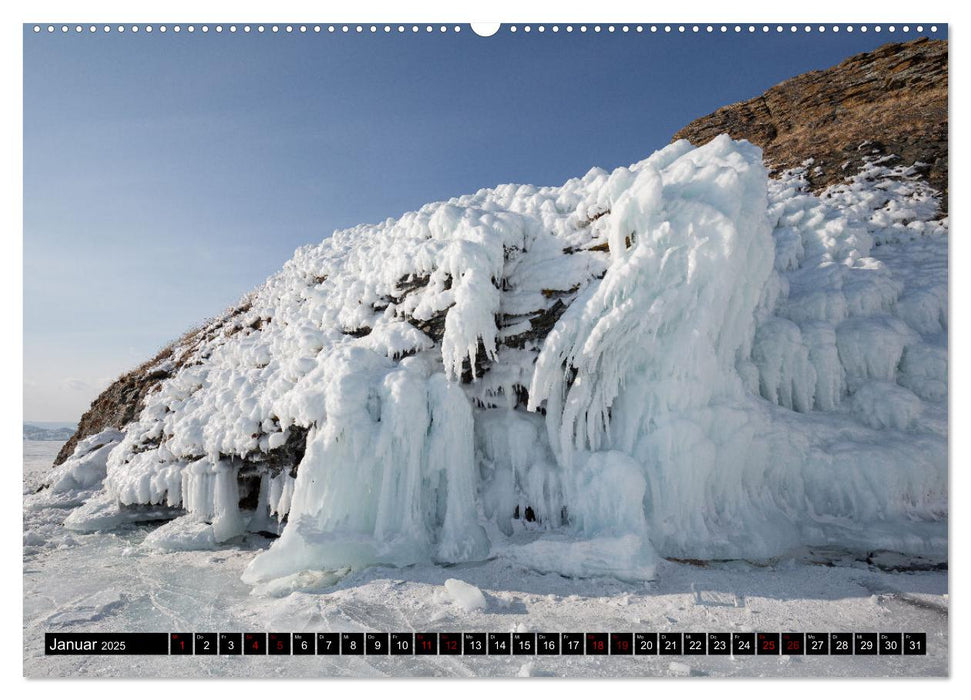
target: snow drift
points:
(682, 358)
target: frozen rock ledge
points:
(680, 358)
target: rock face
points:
(889, 101)
(122, 402)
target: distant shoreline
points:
(43, 431)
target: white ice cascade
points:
(387, 478)
(656, 363)
(691, 251)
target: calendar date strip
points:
(487, 643)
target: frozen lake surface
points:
(104, 582)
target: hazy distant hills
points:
(57, 433)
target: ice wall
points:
(680, 358)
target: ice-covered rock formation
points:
(681, 358)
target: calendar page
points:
(524, 349)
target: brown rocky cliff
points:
(889, 101)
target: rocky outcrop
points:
(120, 403)
(891, 101)
(123, 400)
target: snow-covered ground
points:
(107, 582)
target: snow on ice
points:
(683, 358)
(465, 595)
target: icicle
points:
(450, 450)
(227, 521)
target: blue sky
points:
(165, 175)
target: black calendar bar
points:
(629, 644)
